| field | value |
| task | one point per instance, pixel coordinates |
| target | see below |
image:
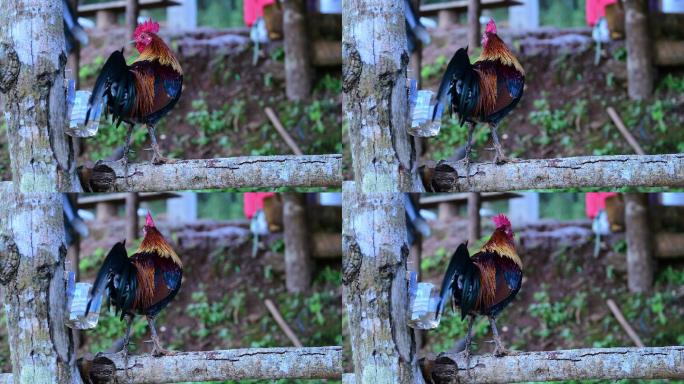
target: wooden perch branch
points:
(236, 172)
(574, 364)
(236, 364)
(572, 172)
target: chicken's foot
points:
(157, 349)
(499, 350)
(126, 341)
(157, 157)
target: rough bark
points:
(297, 252)
(640, 70)
(474, 204)
(374, 276)
(32, 63)
(473, 24)
(32, 254)
(575, 364)
(572, 172)
(236, 172)
(298, 70)
(236, 364)
(639, 243)
(375, 96)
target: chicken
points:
(485, 283)
(143, 284)
(485, 91)
(143, 92)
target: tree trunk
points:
(639, 245)
(640, 70)
(298, 70)
(474, 204)
(473, 25)
(233, 364)
(32, 78)
(570, 172)
(297, 258)
(574, 364)
(375, 290)
(221, 173)
(375, 96)
(132, 205)
(32, 254)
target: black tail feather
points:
(458, 65)
(116, 264)
(451, 274)
(115, 81)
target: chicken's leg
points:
(468, 148)
(127, 339)
(468, 341)
(499, 158)
(157, 157)
(157, 350)
(499, 350)
(127, 146)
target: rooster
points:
(143, 92)
(485, 283)
(485, 91)
(143, 284)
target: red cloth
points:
(596, 201)
(254, 201)
(254, 9)
(595, 9)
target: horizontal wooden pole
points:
(235, 172)
(572, 172)
(574, 364)
(236, 364)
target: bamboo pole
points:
(624, 323)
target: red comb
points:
(147, 26)
(501, 221)
(491, 26)
(148, 220)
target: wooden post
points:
(446, 18)
(374, 282)
(639, 245)
(474, 35)
(375, 96)
(474, 226)
(297, 258)
(640, 70)
(105, 211)
(132, 12)
(446, 210)
(132, 205)
(298, 70)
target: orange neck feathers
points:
(500, 243)
(495, 49)
(154, 243)
(158, 50)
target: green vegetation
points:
(562, 13)
(109, 137)
(90, 70)
(453, 135)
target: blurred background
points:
(239, 288)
